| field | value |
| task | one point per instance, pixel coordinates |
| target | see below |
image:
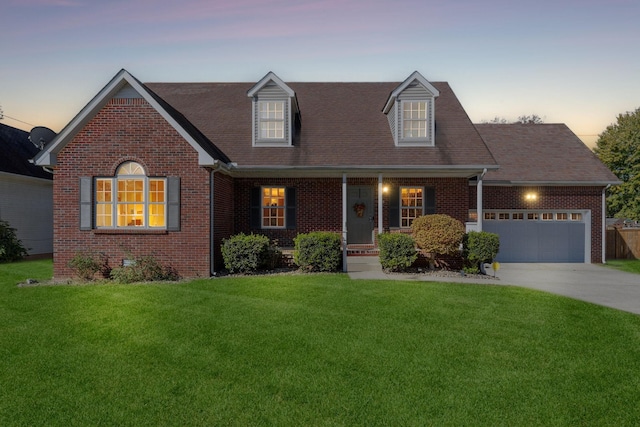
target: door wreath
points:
(359, 209)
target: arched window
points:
(131, 199)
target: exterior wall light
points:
(385, 189)
(531, 197)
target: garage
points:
(549, 236)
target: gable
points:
(125, 86)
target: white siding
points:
(27, 204)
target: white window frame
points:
(275, 119)
(282, 208)
(111, 206)
(427, 123)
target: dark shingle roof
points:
(15, 152)
(543, 153)
(342, 125)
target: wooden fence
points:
(623, 243)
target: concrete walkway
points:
(587, 282)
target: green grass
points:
(628, 265)
(317, 350)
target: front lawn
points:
(628, 265)
(310, 350)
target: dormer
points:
(275, 113)
(410, 110)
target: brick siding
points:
(130, 129)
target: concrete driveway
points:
(587, 282)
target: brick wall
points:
(553, 198)
(130, 129)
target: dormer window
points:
(271, 117)
(276, 117)
(414, 119)
(410, 111)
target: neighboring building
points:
(171, 169)
(26, 192)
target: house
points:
(26, 192)
(171, 169)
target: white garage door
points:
(545, 236)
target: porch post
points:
(344, 222)
(479, 199)
(380, 189)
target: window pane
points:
(273, 206)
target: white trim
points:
(380, 201)
(397, 91)
(344, 223)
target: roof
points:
(342, 125)
(542, 154)
(15, 151)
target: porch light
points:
(385, 189)
(531, 197)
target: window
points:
(414, 119)
(271, 119)
(517, 215)
(533, 216)
(561, 216)
(503, 215)
(130, 199)
(273, 207)
(489, 215)
(547, 216)
(411, 204)
(576, 216)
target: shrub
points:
(86, 264)
(437, 234)
(480, 247)
(244, 253)
(317, 251)
(397, 251)
(11, 248)
(144, 269)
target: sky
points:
(567, 61)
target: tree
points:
(618, 147)
(532, 119)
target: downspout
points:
(479, 199)
(604, 223)
(344, 222)
(212, 223)
(380, 189)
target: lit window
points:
(271, 117)
(414, 119)
(273, 207)
(411, 204)
(562, 216)
(517, 215)
(576, 216)
(130, 199)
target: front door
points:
(359, 215)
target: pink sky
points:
(574, 62)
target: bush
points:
(86, 264)
(437, 234)
(11, 248)
(317, 251)
(244, 253)
(144, 269)
(480, 247)
(397, 251)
